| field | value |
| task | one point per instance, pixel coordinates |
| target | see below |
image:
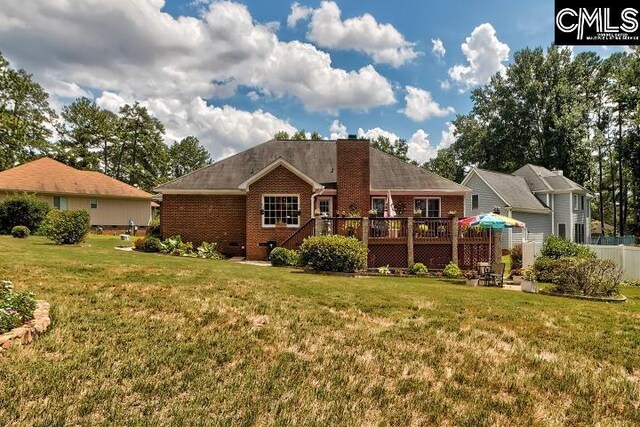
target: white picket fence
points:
(627, 257)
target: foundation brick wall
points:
(279, 181)
(353, 175)
(206, 218)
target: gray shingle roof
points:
(317, 159)
(542, 179)
(513, 189)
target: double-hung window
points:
(280, 209)
(475, 202)
(379, 204)
(60, 202)
(430, 207)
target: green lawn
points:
(145, 339)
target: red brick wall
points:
(353, 175)
(206, 218)
(278, 181)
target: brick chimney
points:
(353, 175)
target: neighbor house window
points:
(280, 209)
(578, 202)
(93, 203)
(60, 202)
(429, 206)
(562, 230)
(578, 233)
(379, 204)
(474, 201)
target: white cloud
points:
(135, 51)
(382, 42)
(485, 55)
(421, 106)
(298, 13)
(448, 136)
(375, 133)
(337, 130)
(438, 48)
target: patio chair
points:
(497, 274)
(484, 273)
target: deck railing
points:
(388, 228)
(473, 234)
(431, 229)
(343, 226)
(295, 240)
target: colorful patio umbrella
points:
(491, 221)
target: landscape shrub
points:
(138, 244)
(333, 253)
(283, 257)
(384, 270)
(418, 269)
(154, 227)
(209, 251)
(175, 246)
(20, 232)
(152, 244)
(556, 247)
(15, 307)
(544, 268)
(24, 209)
(452, 271)
(66, 227)
(591, 277)
(516, 256)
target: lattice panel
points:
(470, 255)
(391, 255)
(433, 256)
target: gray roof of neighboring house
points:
(542, 179)
(513, 189)
(316, 159)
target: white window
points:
(430, 207)
(379, 204)
(325, 204)
(578, 202)
(578, 233)
(60, 202)
(474, 201)
(280, 209)
(562, 230)
(93, 203)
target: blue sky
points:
(233, 72)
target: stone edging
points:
(26, 333)
(622, 298)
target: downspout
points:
(313, 199)
(552, 198)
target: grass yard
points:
(146, 339)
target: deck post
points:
(318, 225)
(454, 239)
(410, 242)
(497, 246)
(365, 231)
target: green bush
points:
(544, 269)
(584, 276)
(418, 269)
(20, 232)
(209, 251)
(556, 247)
(333, 253)
(516, 256)
(153, 229)
(25, 209)
(283, 257)
(15, 307)
(175, 246)
(66, 227)
(152, 244)
(452, 271)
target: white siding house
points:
(547, 202)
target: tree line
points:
(128, 145)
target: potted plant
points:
(317, 212)
(417, 213)
(528, 283)
(471, 277)
(453, 214)
(394, 228)
(516, 276)
(421, 230)
(373, 213)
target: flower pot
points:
(471, 282)
(529, 286)
(517, 279)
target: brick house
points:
(270, 192)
